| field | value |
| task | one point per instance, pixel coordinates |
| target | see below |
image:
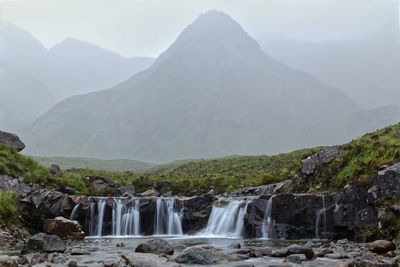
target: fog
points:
(164, 80)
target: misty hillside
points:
(213, 92)
(367, 69)
(69, 68)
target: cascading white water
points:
(167, 221)
(268, 222)
(74, 212)
(126, 219)
(100, 216)
(92, 221)
(320, 213)
(226, 221)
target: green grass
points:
(14, 164)
(95, 164)
(8, 210)
(361, 159)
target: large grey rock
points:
(387, 182)
(55, 169)
(203, 255)
(8, 261)
(149, 193)
(64, 228)
(127, 190)
(155, 246)
(11, 140)
(327, 155)
(100, 184)
(144, 259)
(298, 249)
(42, 242)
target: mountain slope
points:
(40, 78)
(214, 92)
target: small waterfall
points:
(131, 219)
(92, 223)
(320, 213)
(167, 221)
(268, 222)
(74, 212)
(100, 216)
(226, 221)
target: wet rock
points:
(11, 140)
(100, 184)
(354, 254)
(120, 245)
(149, 193)
(64, 228)
(145, 259)
(7, 240)
(42, 242)
(7, 261)
(280, 253)
(196, 212)
(335, 256)
(387, 182)
(38, 258)
(55, 169)
(298, 249)
(155, 246)
(382, 246)
(235, 245)
(203, 255)
(390, 254)
(324, 252)
(126, 191)
(296, 258)
(256, 252)
(327, 155)
(72, 264)
(78, 251)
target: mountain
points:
(213, 92)
(37, 78)
(23, 97)
(81, 67)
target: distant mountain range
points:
(42, 77)
(213, 92)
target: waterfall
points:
(320, 213)
(74, 212)
(91, 220)
(167, 221)
(131, 219)
(268, 222)
(100, 216)
(227, 221)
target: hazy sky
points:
(147, 27)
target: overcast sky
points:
(148, 27)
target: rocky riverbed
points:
(185, 251)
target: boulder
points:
(149, 193)
(55, 169)
(42, 242)
(382, 246)
(327, 155)
(398, 134)
(145, 259)
(155, 246)
(7, 240)
(11, 140)
(126, 191)
(387, 182)
(64, 228)
(203, 255)
(296, 258)
(298, 249)
(335, 256)
(100, 184)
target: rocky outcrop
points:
(11, 140)
(100, 184)
(327, 155)
(42, 242)
(271, 189)
(145, 259)
(126, 191)
(155, 246)
(196, 212)
(387, 182)
(64, 228)
(297, 249)
(55, 169)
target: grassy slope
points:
(362, 158)
(95, 164)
